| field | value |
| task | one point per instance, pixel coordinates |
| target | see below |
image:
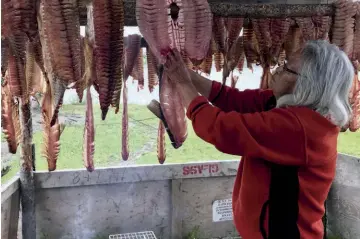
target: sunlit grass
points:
(348, 143)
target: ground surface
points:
(142, 141)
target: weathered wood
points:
(343, 204)
(10, 206)
(270, 10)
(27, 188)
(242, 8)
(33, 157)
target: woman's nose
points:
(278, 69)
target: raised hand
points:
(176, 68)
(179, 75)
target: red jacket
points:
(288, 164)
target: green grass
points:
(3, 137)
(348, 143)
(107, 140)
(143, 129)
(194, 149)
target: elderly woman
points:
(287, 137)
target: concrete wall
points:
(171, 200)
(10, 205)
(344, 199)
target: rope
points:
(133, 119)
(140, 121)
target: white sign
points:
(222, 210)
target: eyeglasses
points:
(285, 68)
(289, 70)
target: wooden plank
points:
(10, 206)
(227, 9)
(10, 216)
(243, 8)
(343, 204)
(9, 188)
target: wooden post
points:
(33, 157)
(27, 187)
(325, 221)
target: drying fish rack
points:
(134, 235)
(224, 8)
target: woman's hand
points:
(283, 80)
(179, 75)
(176, 68)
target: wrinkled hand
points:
(178, 73)
(282, 82)
(176, 68)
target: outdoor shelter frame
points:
(224, 8)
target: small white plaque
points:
(222, 210)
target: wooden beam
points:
(242, 8)
(271, 10)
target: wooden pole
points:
(33, 157)
(240, 8)
(27, 187)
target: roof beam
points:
(242, 8)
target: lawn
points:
(142, 141)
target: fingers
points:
(168, 62)
(172, 52)
(172, 57)
(177, 54)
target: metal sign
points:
(222, 210)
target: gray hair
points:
(324, 82)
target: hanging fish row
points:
(43, 52)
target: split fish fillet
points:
(182, 24)
(10, 121)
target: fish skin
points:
(10, 119)
(51, 133)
